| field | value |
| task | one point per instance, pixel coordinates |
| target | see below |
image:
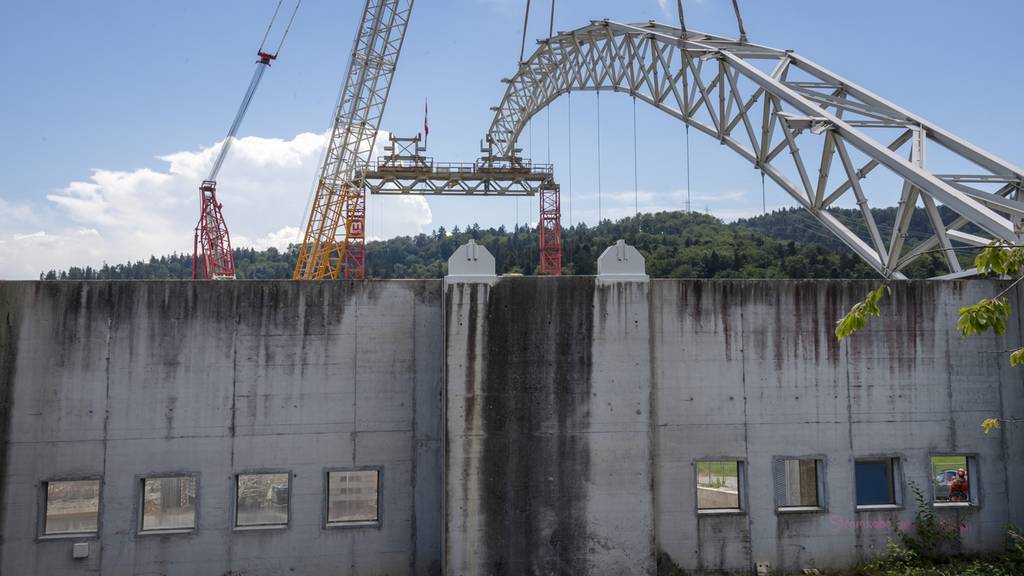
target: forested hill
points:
(797, 224)
(783, 244)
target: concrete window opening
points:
(718, 486)
(798, 484)
(353, 497)
(952, 484)
(877, 480)
(262, 500)
(72, 507)
(168, 503)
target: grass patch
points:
(714, 474)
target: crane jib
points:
(212, 257)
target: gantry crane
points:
(334, 242)
(404, 170)
(324, 252)
(212, 257)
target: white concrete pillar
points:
(621, 262)
(471, 263)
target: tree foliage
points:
(858, 315)
(675, 244)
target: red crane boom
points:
(212, 256)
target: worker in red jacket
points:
(959, 489)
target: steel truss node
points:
(781, 112)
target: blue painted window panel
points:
(875, 485)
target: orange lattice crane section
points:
(334, 243)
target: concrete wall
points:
(119, 380)
(576, 411)
(750, 371)
(575, 415)
(548, 448)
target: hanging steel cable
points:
(739, 21)
(526, 22)
(286, 28)
(270, 25)
(528, 204)
(547, 122)
(570, 159)
(764, 198)
(682, 20)
(636, 186)
(689, 208)
(551, 25)
(599, 158)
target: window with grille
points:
(798, 484)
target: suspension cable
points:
(570, 159)
(547, 122)
(599, 214)
(526, 21)
(270, 25)
(551, 26)
(689, 208)
(682, 20)
(739, 21)
(530, 125)
(288, 27)
(636, 186)
(764, 200)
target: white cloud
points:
(117, 216)
(14, 215)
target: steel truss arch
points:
(763, 102)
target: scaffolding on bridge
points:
(404, 170)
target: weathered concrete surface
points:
(548, 461)
(126, 379)
(655, 378)
(750, 371)
(575, 414)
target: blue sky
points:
(109, 107)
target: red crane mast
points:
(212, 256)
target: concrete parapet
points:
(471, 264)
(621, 262)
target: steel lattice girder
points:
(469, 182)
(761, 102)
(325, 251)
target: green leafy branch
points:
(859, 314)
(987, 314)
(990, 424)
